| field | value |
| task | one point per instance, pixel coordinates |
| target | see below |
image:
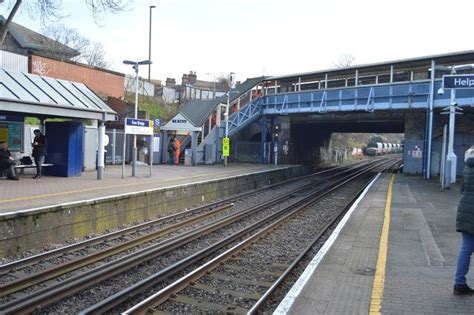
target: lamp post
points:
(149, 46)
(227, 120)
(135, 65)
(451, 158)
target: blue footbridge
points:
(401, 86)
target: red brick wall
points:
(100, 81)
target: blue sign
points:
(138, 126)
(4, 117)
(137, 122)
(157, 122)
(458, 81)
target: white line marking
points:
(291, 296)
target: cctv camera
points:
(440, 91)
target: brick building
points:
(104, 82)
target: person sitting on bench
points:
(6, 162)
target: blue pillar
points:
(194, 147)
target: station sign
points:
(225, 146)
(4, 117)
(458, 81)
(139, 126)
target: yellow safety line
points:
(106, 187)
(379, 279)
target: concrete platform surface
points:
(422, 250)
(29, 193)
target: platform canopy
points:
(47, 97)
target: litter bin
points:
(188, 155)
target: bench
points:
(22, 168)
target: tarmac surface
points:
(418, 274)
(30, 193)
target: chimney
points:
(170, 82)
(192, 77)
(184, 79)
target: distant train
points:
(379, 148)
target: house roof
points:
(31, 40)
(197, 111)
(48, 97)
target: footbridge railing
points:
(394, 96)
(245, 116)
(369, 98)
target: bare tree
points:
(65, 38)
(95, 56)
(344, 61)
(91, 53)
(53, 9)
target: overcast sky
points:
(270, 37)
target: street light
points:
(451, 158)
(135, 65)
(227, 119)
(149, 46)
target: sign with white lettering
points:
(180, 123)
(458, 81)
(4, 117)
(138, 126)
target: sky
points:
(267, 37)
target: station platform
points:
(28, 193)
(417, 274)
(53, 210)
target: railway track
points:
(242, 279)
(83, 280)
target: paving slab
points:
(422, 251)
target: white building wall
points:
(13, 62)
(144, 88)
(169, 95)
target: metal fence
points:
(249, 152)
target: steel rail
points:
(106, 304)
(99, 239)
(49, 295)
(55, 271)
(75, 264)
(264, 298)
(46, 296)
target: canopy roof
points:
(48, 97)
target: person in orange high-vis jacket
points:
(178, 150)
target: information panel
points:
(225, 146)
(139, 126)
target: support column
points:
(114, 144)
(164, 145)
(100, 150)
(193, 147)
(430, 120)
(263, 141)
(283, 141)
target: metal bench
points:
(22, 168)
